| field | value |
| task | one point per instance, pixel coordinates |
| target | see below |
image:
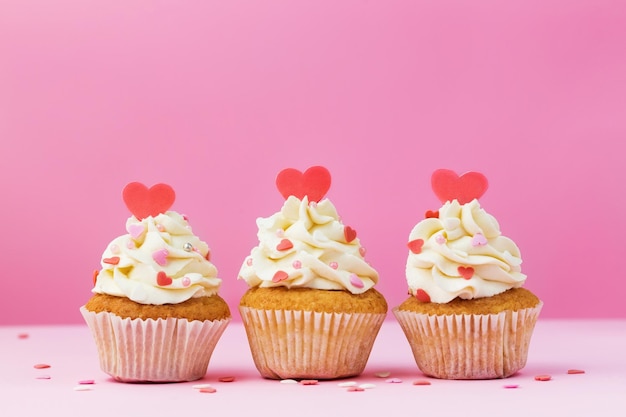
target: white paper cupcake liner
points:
(162, 350)
(469, 346)
(309, 345)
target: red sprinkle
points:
(113, 260)
(575, 371)
(309, 382)
(511, 386)
(432, 214)
(41, 366)
(349, 233)
(355, 389)
(226, 379)
(22, 336)
(415, 246)
(209, 390)
(86, 382)
(421, 382)
(543, 378)
(422, 295)
(284, 244)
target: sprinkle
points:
(575, 371)
(43, 377)
(130, 244)
(415, 246)
(511, 386)
(288, 381)
(201, 386)
(479, 240)
(284, 244)
(309, 382)
(135, 230)
(367, 386)
(82, 388)
(160, 228)
(208, 254)
(355, 389)
(421, 382)
(86, 382)
(362, 251)
(347, 384)
(186, 281)
(349, 233)
(226, 379)
(383, 374)
(297, 264)
(41, 366)
(187, 247)
(333, 265)
(114, 260)
(440, 239)
(280, 276)
(114, 248)
(22, 335)
(394, 380)
(280, 233)
(356, 281)
(160, 256)
(249, 261)
(95, 276)
(432, 214)
(209, 390)
(422, 295)
(543, 378)
(466, 271)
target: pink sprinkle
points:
(160, 256)
(226, 379)
(309, 382)
(511, 386)
(575, 371)
(86, 382)
(160, 227)
(297, 264)
(421, 382)
(41, 366)
(479, 240)
(394, 380)
(43, 377)
(362, 251)
(543, 378)
(115, 249)
(356, 281)
(355, 389)
(130, 244)
(334, 265)
(440, 239)
(249, 261)
(209, 390)
(22, 335)
(186, 281)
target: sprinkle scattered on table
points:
(226, 379)
(367, 386)
(575, 371)
(86, 382)
(511, 386)
(22, 335)
(393, 380)
(421, 382)
(355, 389)
(347, 384)
(543, 378)
(201, 386)
(41, 366)
(82, 388)
(208, 390)
(288, 381)
(309, 382)
(43, 377)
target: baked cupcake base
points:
(465, 345)
(305, 344)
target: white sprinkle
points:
(393, 380)
(367, 386)
(82, 388)
(43, 377)
(288, 381)
(347, 384)
(201, 386)
(382, 374)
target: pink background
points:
(215, 98)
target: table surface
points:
(596, 346)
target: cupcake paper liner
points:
(310, 345)
(162, 350)
(469, 346)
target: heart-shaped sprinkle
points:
(208, 254)
(163, 279)
(314, 183)
(415, 246)
(280, 276)
(430, 214)
(449, 186)
(356, 281)
(422, 295)
(114, 260)
(136, 230)
(297, 264)
(95, 276)
(333, 265)
(284, 244)
(349, 233)
(186, 281)
(479, 240)
(143, 202)
(160, 256)
(466, 271)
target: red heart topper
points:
(144, 202)
(448, 186)
(314, 183)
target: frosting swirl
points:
(159, 261)
(461, 254)
(305, 245)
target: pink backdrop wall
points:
(215, 98)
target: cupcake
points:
(155, 314)
(467, 316)
(311, 311)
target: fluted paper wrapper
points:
(162, 350)
(469, 346)
(310, 345)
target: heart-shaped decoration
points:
(430, 214)
(284, 244)
(135, 230)
(479, 240)
(448, 186)
(349, 233)
(143, 202)
(422, 295)
(314, 183)
(162, 279)
(415, 246)
(160, 256)
(280, 276)
(466, 271)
